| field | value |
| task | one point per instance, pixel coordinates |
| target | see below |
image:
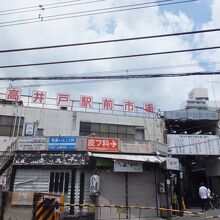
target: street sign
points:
(172, 163)
(62, 143)
(102, 144)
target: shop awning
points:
(142, 158)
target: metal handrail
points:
(7, 154)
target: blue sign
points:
(62, 143)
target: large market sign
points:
(63, 100)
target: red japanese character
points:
(63, 99)
(148, 107)
(107, 104)
(86, 101)
(13, 94)
(39, 97)
(129, 106)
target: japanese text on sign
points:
(39, 97)
(129, 106)
(62, 143)
(63, 99)
(148, 107)
(102, 144)
(128, 166)
(86, 102)
(13, 94)
(108, 104)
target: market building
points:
(193, 137)
(89, 155)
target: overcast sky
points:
(165, 93)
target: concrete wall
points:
(153, 127)
(55, 122)
(5, 142)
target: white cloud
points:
(166, 93)
(178, 22)
(210, 40)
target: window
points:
(113, 129)
(85, 126)
(59, 182)
(139, 134)
(107, 130)
(122, 129)
(95, 128)
(40, 132)
(11, 125)
(104, 128)
(130, 130)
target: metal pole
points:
(180, 192)
(156, 190)
(126, 193)
(19, 122)
(29, 95)
(73, 183)
(15, 121)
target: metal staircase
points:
(7, 156)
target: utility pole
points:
(180, 192)
(168, 193)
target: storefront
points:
(127, 180)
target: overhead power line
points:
(39, 6)
(152, 3)
(130, 76)
(95, 10)
(110, 58)
(118, 71)
(47, 7)
(112, 41)
(86, 13)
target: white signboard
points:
(172, 163)
(32, 143)
(128, 166)
(193, 144)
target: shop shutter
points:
(112, 191)
(142, 192)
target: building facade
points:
(60, 150)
